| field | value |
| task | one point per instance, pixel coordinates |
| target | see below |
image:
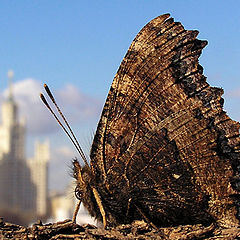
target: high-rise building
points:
(12, 130)
(38, 167)
(23, 184)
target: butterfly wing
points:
(164, 149)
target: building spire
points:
(10, 85)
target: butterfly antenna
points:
(64, 119)
(72, 138)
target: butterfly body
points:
(164, 149)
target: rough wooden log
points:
(137, 230)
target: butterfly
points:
(164, 149)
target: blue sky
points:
(77, 46)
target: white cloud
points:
(77, 107)
(233, 93)
(65, 152)
(60, 172)
(60, 167)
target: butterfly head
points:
(78, 175)
(83, 180)
(85, 188)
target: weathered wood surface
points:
(136, 230)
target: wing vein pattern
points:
(164, 142)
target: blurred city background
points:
(76, 47)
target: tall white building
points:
(23, 184)
(12, 130)
(38, 167)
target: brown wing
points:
(164, 148)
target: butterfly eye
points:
(75, 174)
(78, 193)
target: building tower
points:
(15, 178)
(12, 131)
(39, 174)
(23, 183)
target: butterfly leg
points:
(145, 217)
(99, 203)
(76, 212)
(128, 207)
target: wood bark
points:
(137, 230)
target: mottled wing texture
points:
(164, 149)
